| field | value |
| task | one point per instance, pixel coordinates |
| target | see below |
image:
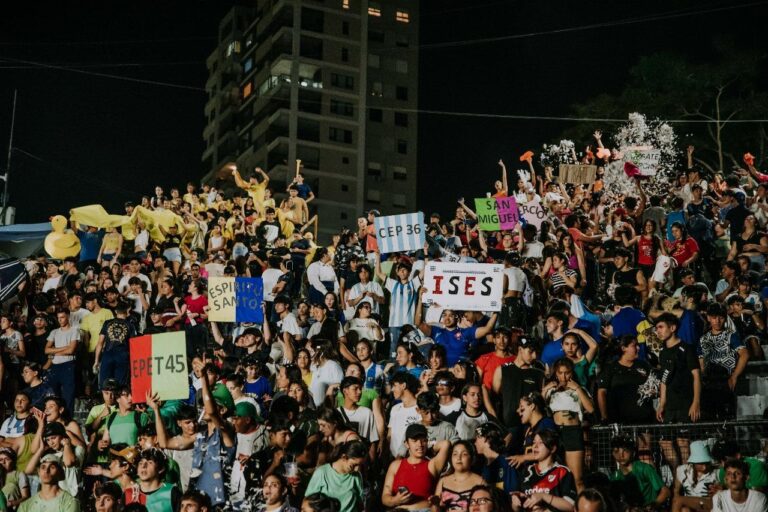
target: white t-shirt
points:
(516, 279)
(290, 325)
(62, 338)
(366, 424)
(533, 249)
(466, 425)
(370, 286)
(269, 277)
(123, 284)
(399, 419)
(756, 502)
(237, 481)
(76, 317)
(447, 410)
(322, 377)
(314, 330)
(51, 283)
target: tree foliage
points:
(723, 91)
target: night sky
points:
(99, 140)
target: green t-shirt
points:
(584, 370)
(366, 399)
(758, 477)
(123, 429)
(648, 480)
(64, 502)
(94, 413)
(3, 503)
(348, 489)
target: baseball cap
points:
(223, 397)
(128, 453)
(246, 409)
(526, 342)
(415, 431)
(52, 457)
(375, 213)
(54, 429)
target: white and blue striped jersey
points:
(402, 306)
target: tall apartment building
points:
(333, 83)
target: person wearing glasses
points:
(487, 499)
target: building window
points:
(345, 4)
(374, 60)
(340, 135)
(376, 36)
(399, 173)
(374, 169)
(402, 41)
(345, 28)
(342, 81)
(398, 200)
(402, 146)
(373, 196)
(401, 93)
(376, 115)
(402, 16)
(374, 9)
(401, 66)
(401, 119)
(377, 89)
(345, 160)
(343, 215)
(345, 55)
(247, 90)
(233, 47)
(341, 108)
(248, 65)
(345, 188)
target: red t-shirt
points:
(645, 251)
(488, 364)
(195, 306)
(683, 250)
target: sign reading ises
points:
(464, 286)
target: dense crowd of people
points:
(354, 395)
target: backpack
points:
(136, 419)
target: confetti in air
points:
(638, 131)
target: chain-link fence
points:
(656, 440)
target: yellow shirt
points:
(92, 325)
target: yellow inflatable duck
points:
(61, 242)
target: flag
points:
(159, 366)
(235, 299)
(400, 233)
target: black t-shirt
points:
(625, 277)
(516, 382)
(623, 384)
(676, 365)
(117, 332)
(35, 347)
(736, 216)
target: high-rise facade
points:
(333, 83)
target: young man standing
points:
(502, 354)
(111, 358)
(515, 380)
(290, 332)
(680, 397)
(123, 424)
(723, 358)
(404, 388)
(62, 349)
(360, 417)
(497, 471)
(180, 446)
(428, 407)
(404, 295)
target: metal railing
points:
(749, 434)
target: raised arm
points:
(467, 209)
(504, 177)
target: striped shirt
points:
(402, 305)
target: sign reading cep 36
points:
(396, 233)
(464, 286)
